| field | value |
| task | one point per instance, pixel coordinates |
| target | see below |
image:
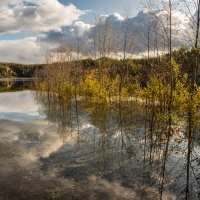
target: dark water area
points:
(48, 150)
(16, 84)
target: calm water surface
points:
(46, 154)
(42, 160)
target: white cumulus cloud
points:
(55, 22)
(36, 15)
(22, 51)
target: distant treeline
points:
(10, 70)
(140, 68)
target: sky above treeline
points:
(22, 23)
(28, 29)
(106, 6)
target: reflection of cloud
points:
(19, 106)
(22, 144)
(9, 132)
(26, 176)
(20, 116)
(34, 160)
(34, 139)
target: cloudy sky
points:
(23, 24)
(28, 29)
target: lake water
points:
(49, 151)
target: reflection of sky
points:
(19, 106)
(29, 146)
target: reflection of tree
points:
(13, 85)
(57, 111)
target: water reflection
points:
(46, 153)
(37, 163)
(106, 143)
(19, 106)
(15, 84)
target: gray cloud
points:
(51, 37)
(54, 28)
(26, 50)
